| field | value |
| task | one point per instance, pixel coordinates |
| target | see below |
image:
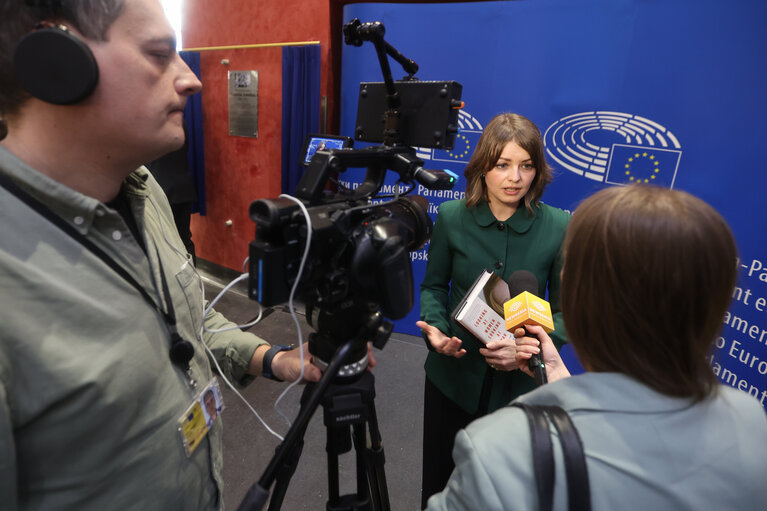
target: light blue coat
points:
(644, 451)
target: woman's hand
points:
(528, 346)
(501, 355)
(450, 346)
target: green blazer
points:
(463, 242)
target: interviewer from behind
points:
(647, 278)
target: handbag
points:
(578, 493)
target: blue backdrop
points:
(669, 92)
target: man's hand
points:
(286, 365)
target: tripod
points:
(345, 405)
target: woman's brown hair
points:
(501, 130)
(648, 276)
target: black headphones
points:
(54, 65)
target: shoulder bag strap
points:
(578, 493)
(543, 454)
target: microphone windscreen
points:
(525, 306)
(521, 281)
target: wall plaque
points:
(243, 103)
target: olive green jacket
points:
(89, 398)
(463, 242)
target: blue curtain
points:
(193, 118)
(300, 107)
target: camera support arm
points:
(377, 159)
(355, 33)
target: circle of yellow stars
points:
(467, 148)
(654, 168)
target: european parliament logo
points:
(615, 148)
(469, 131)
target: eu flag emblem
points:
(465, 142)
(469, 131)
(642, 164)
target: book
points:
(481, 310)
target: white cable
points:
(243, 276)
(205, 311)
(221, 373)
(290, 303)
(221, 294)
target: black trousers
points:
(442, 419)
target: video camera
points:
(345, 253)
(357, 269)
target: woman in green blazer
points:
(502, 226)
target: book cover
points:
(481, 310)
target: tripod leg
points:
(363, 488)
(257, 495)
(283, 477)
(375, 459)
(337, 443)
(290, 460)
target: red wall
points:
(239, 170)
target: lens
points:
(411, 212)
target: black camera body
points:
(359, 251)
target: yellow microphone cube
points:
(528, 309)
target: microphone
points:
(435, 179)
(525, 308)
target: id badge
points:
(204, 411)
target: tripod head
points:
(361, 323)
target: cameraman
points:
(102, 346)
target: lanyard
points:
(181, 351)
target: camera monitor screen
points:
(314, 142)
(427, 113)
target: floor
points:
(249, 446)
